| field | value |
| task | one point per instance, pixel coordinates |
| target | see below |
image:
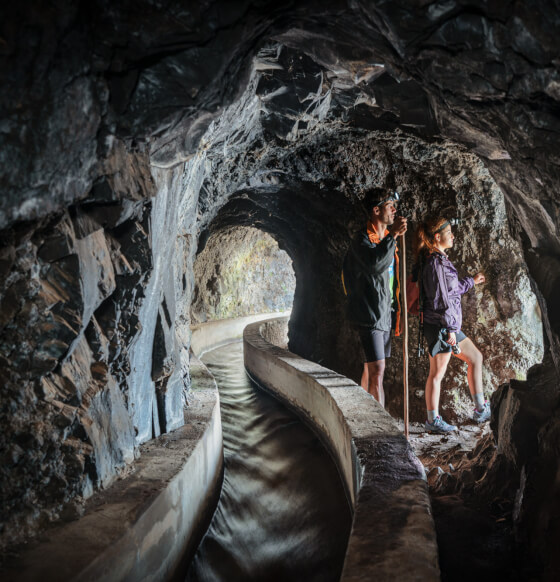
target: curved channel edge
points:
(393, 534)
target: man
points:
(371, 283)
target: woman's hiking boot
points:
(439, 426)
(482, 415)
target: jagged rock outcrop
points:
(126, 129)
(64, 412)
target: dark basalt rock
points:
(61, 399)
(264, 115)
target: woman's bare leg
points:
(438, 366)
(471, 355)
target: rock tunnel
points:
(142, 144)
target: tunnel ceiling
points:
(130, 82)
(158, 74)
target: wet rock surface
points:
(269, 115)
(70, 301)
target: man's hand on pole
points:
(398, 227)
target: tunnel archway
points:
(315, 223)
(154, 108)
(241, 271)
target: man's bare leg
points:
(364, 382)
(372, 380)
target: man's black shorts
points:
(377, 344)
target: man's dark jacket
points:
(366, 281)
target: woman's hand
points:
(479, 278)
(451, 338)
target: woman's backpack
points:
(412, 296)
(415, 301)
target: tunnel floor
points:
(476, 536)
(283, 513)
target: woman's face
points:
(446, 238)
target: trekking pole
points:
(405, 339)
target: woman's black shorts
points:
(377, 344)
(436, 339)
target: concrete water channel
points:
(392, 535)
(283, 513)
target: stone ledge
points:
(213, 334)
(145, 526)
(393, 535)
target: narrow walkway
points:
(476, 537)
(283, 512)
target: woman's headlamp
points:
(450, 222)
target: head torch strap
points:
(393, 196)
(446, 223)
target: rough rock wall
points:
(314, 210)
(241, 271)
(71, 287)
(94, 335)
(525, 464)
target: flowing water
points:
(283, 513)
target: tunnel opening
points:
(241, 271)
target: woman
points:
(442, 290)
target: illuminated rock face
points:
(127, 133)
(313, 210)
(241, 271)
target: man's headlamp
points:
(392, 197)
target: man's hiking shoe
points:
(483, 415)
(439, 426)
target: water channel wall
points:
(213, 334)
(393, 535)
(147, 525)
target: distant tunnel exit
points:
(241, 271)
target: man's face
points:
(386, 212)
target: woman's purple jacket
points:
(442, 291)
